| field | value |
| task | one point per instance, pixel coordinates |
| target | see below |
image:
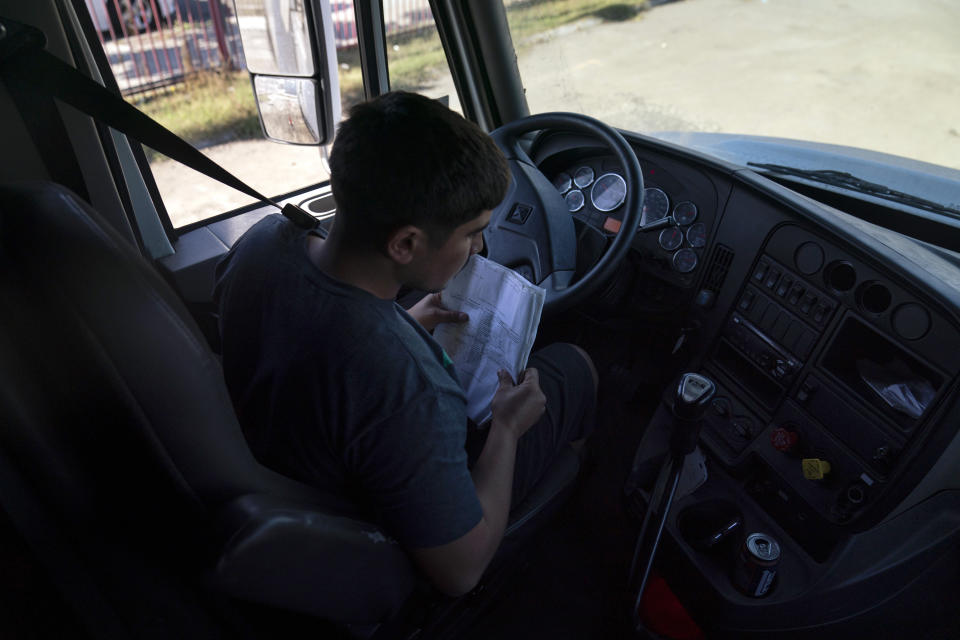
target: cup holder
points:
(713, 526)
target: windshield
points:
(882, 75)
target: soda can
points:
(756, 564)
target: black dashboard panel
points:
(833, 345)
(829, 373)
(824, 355)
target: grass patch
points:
(415, 59)
(350, 77)
(210, 107)
(533, 17)
(420, 58)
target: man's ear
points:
(404, 243)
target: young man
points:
(339, 387)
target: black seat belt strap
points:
(24, 63)
(46, 128)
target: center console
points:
(829, 376)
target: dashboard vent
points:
(719, 265)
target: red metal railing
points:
(156, 43)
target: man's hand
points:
(430, 312)
(518, 406)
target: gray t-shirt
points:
(343, 390)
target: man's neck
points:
(365, 270)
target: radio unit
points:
(769, 357)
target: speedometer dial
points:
(685, 260)
(563, 182)
(609, 192)
(656, 205)
(697, 235)
(671, 238)
(574, 200)
(685, 213)
(583, 177)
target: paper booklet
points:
(504, 310)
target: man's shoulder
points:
(268, 234)
(255, 256)
(272, 227)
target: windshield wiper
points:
(849, 181)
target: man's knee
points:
(580, 393)
(569, 379)
(592, 367)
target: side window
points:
(181, 62)
(415, 58)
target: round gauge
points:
(671, 238)
(685, 260)
(685, 213)
(656, 205)
(609, 192)
(562, 182)
(574, 200)
(697, 235)
(583, 177)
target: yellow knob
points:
(815, 468)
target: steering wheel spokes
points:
(529, 236)
(532, 231)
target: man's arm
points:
(456, 567)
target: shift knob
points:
(692, 397)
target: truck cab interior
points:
(827, 322)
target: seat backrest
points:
(114, 411)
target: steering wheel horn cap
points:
(519, 213)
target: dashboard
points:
(832, 342)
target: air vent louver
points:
(717, 271)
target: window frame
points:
(479, 54)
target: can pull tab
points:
(719, 535)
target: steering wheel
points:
(532, 230)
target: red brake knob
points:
(783, 439)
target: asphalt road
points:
(876, 74)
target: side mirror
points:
(292, 59)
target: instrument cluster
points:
(594, 192)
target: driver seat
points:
(136, 486)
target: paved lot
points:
(878, 74)
(875, 74)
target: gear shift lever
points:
(690, 401)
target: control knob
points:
(784, 439)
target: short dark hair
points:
(405, 159)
